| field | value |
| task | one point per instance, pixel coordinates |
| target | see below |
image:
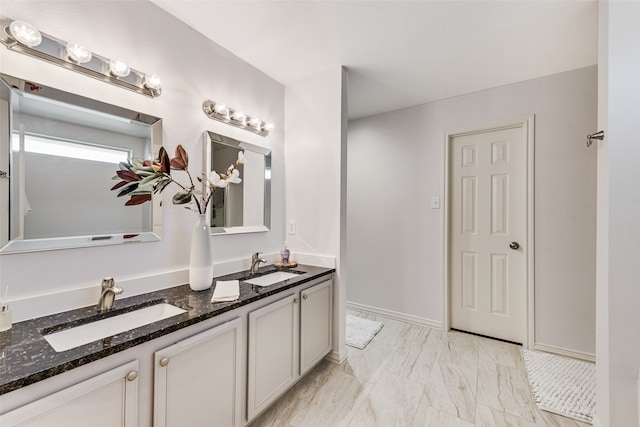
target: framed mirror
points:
(59, 153)
(244, 207)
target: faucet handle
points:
(256, 256)
(108, 282)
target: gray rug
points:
(361, 331)
(561, 385)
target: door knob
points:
(514, 245)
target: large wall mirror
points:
(243, 207)
(59, 153)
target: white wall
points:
(618, 329)
(315, 136)
(192, 69)
(395, 164)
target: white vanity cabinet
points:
(286, 339)
(316, 313)
(197, 381)
(273, 352)
(106, 400)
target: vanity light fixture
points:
(23, 37)
(233, 117)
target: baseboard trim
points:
(416, 320)
(336, 357)
(587, 357)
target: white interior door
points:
(488, 195)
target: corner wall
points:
(618, 320)
(315, 111)
(395, 164)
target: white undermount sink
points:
(89, 332)
(271, 278)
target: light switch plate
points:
(292, 227)
(435, 202)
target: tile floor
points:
(416, 376)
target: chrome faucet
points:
(255, 262)
(107, 300)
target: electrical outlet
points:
(292, 226)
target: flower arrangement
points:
(139, 179)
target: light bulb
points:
(221, 109)
(255, 122)
(78, 53)
(268, 126)
(119, 68)
(25, 33)
(239, 116)
(152, 81)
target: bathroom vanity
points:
(216, 364)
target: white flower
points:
(240, 160)
(216, 181)
(234, 178)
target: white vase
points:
(201, 259)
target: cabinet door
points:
(197, 380)
(273, 353)
(316, 315)
(107, 400)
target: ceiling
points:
(401, 53)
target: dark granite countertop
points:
(26, 357)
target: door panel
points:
(488, 204)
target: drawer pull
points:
(305, 296)
(164, 361)
(131, 376)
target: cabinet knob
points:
(305, 296)
(131, 376)
(164, 361)
(295, 300)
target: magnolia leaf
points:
(181, 198)
(118, 185)
(181, 153)
(161, 185)
(128, 189)
(178, 164)
(137, 199)
(149, 180)
(127, 175)
(165, 163)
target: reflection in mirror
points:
(243, 207)
(62, 150)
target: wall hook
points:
(597, 135)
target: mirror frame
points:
(241, 145)
(15, 84)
